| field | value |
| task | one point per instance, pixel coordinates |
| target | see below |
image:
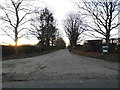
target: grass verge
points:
(23, 55)
(112, 57)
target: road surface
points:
(60, 69)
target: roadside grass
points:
(25, 55)
(112, 57)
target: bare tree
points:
(15, 13)
(73, 27)
(104, 14)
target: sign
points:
(105, 49)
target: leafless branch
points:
(7, 33)
(103, 13)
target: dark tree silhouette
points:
(73, 27)
(60, 43)
(43, 27)
(12, 16)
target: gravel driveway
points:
(57, 66)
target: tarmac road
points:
(60, 69)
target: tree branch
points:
(7, 33)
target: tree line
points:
(42, 23)
(102, 13)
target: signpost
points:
(105, 49)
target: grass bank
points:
(112, 57)
(25, 55)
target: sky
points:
(60, 8)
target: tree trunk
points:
(16, 42)
(52, 42)
(42, 42)
(16, 47)
(108, 42)
(71, 44)
(47, 43)
(75, 40)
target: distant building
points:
(96, 44)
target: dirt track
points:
(60, 65)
